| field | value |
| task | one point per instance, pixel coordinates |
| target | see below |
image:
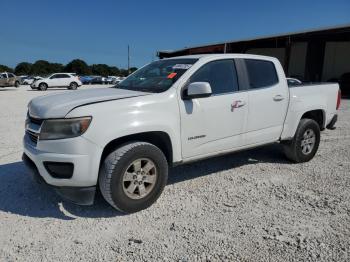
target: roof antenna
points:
(128, 60)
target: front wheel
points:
(43, 87)
(133, 176)
(17, 84)
(304, 145)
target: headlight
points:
(64, 128)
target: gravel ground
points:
(248, 206)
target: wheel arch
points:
(294, 117)
(318, 115)
(158, 138)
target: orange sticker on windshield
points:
(172, 75)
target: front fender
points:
(115, 119)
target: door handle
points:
(278, 98)
(237, 104)
(240, 103)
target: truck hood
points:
(59, 105)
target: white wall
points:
(279, 53)
(336, 60)
(297, 60)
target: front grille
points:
(36, 121)
(33, 126)
(32, 136)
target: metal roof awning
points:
(221, 46)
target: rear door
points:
(216, 123)
(64, 80)
(268, 101)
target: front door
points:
(215, 123)
(3, 79)
(11, 79)
(54, 80)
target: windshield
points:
(158, 76)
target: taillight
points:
(338, 99)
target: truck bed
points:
(311, 84)
(303, 98)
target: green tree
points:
(4, 68)
(23, 68)
(114, 71)
(40, 67)
(78, 66)
(124, 72)
(100, 69)
(56, 68)
(133, 69)
(43, 68)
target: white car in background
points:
(30, 80)
(113, 79)
(67, 80)
(121, 78)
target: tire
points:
(17, 84)
(113, 173)
(42, 86)
(304, 145)
(73, 86)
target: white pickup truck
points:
(170, 112)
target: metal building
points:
(312, 55)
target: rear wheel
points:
(304, 145)
(133, 176)
(43, 86)
(73, 86)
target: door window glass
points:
(261, 73)
(221, 75)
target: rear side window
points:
(261, 73)
(60, 76)
(221, 75)
(64, 76)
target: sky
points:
(100, 31)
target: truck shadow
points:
(267, 154)
(20, 195)
(5, 89)
(49, 89)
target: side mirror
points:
(197, 90)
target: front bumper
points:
(80, 186)
(83, 154)
(77, 195)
